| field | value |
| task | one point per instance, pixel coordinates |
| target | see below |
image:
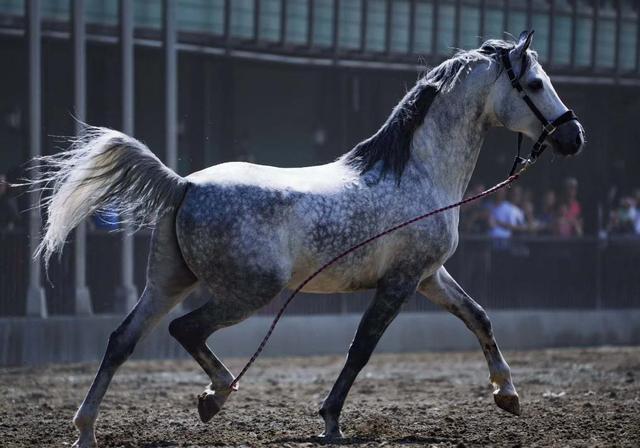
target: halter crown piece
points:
(548, 127)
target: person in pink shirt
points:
(570, 212)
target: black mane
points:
(391, 144)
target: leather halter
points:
(548, 127)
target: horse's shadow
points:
(358, 440)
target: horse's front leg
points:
(443, 290)
(384, 308)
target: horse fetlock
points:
(500, 376)
(331, 423)
(83, 421)
(210, 402)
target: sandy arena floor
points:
(578, 397)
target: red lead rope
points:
(504, 183)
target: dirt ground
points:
(574, 397)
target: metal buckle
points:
(549, 128)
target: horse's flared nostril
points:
(568, 139)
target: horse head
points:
(524, 100)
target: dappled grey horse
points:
(246, 231)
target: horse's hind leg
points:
(192, 331)
(168, 282)
(443, 290)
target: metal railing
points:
(532, 272)
(581, 37)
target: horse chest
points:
(435, 239)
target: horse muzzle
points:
(568, 139)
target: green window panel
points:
(423, 28)
(469, 26)
(584, 33)
(205, 16)
(606, 37)
(270, 20)
(323, 23)
(103, 12)
(494, 21)
(297, 13)
(400, 26)
(446, 18)
(56, 10)
(517, 18)
(628, 44)
(147, 13)
(12, 7)
(376, 25)
(540, 23)
(241, 19)
(349, 24)
(562, 39)
(629, 35)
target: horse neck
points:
(446, 146)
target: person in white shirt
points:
(505, 217)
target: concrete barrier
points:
(33, 341)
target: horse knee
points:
(481, 318)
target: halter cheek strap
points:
(548, 127)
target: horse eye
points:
(536, 84)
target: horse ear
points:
(524, 41)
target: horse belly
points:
(336, 279)
(356, 271)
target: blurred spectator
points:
(105, 220)
(516, 195)
(624, 219)
(636, 224)
(506, 217)
(9, 217)
(531, 224)
(524, 201)
(475, 215)
(548, 214)
(570, 211)
(557, 213)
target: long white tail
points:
(104, 169)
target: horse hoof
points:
(331, 435)
(209, 404)
(508, 402)
(84, 443)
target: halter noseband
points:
(548, 127)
